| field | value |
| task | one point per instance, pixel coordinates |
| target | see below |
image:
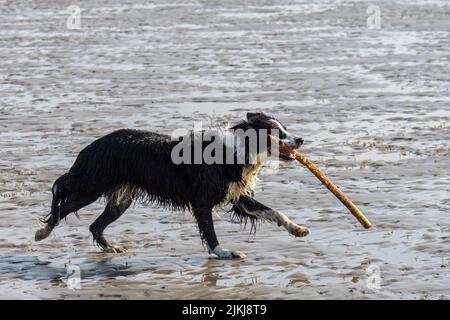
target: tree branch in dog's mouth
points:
(287, 154)
(285, 150)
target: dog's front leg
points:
(254, 208)
(203, 215)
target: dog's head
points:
(273, 127)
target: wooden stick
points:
(328, 183)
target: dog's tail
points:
(59, 192)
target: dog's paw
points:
(114, 250)
(227, 254)
(300, 231)
(238, 254)
(42, 233)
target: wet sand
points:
(372, 106)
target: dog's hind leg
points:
(59, 211)
(204, 219)
(254, 208)
(114, 209)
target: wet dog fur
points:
(134, 165)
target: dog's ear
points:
(251, 115)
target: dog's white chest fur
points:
(247, 184)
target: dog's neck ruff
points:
(246, 185)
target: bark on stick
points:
(328, 183)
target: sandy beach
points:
(372, 104)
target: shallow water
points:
(372, 106)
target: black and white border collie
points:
(129, 165)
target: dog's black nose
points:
(299, 141)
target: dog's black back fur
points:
(142, 159)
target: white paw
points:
(298, 231)
(227, 254)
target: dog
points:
(134, 165)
